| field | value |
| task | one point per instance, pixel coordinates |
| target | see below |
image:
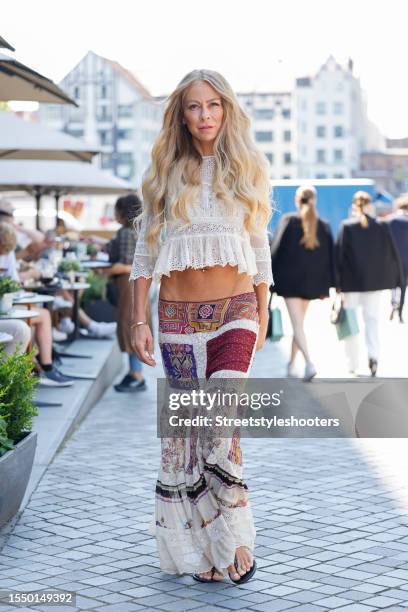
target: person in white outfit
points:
(367, 263)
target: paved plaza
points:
(331, 514)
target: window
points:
(264, 113)
(125, 110)
(321, 156)
(270, 157)
(287, 136)
(264, 136)
(125, 158)
(77, 93)
(338, 155)
(321, 175)
(338, 175)
(338, 131)
(286, 177)
(303, 127)
(125, 134)
(287, 158)
(104, 113)
(338, 108)
(75, 133)
(321, 108)
(106, 161)
(321, 131)
(103, 91)
(105, 137)
(286, 113)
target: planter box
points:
(15, 470)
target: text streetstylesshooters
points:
(223, 421)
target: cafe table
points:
(20, 313)
(75, 288)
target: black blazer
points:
(300, 272)
(366, 258)
(398, 224)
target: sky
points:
(257, 44)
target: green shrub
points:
(17, 387)
(5, 443)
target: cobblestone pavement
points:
(329, 534)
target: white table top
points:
(20, 313)
(34, 298)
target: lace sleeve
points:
(143, 260)
(260, 246)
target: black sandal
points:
(200, 579)
(246, 576)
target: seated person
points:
(50, 375)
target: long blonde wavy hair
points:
(241, 170)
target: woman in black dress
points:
(303, 267)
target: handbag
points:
(274, 330)
(345, 320)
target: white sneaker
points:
(101, 329)
(310, 372)
(58, 336)
(66, 325)
(60, 302)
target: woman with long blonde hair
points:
(203, 235)
(303, 262)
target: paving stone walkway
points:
(329, 536)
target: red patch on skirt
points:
(231, 350)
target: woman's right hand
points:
(142, 343)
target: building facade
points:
(273, 129)
(317, 130)
(331, 123)
(389, 169)
(115, 113)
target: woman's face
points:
(203, 114)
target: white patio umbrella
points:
(5, 44)
(21, 139)
(19, 82)
(58, 178)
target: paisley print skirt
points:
(202, 511)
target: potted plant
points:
(8, 287)
(69, 267)
(91, 250)
(17, 441)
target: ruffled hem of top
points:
(183, 252)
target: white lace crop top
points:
(213, 237)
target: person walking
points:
(203, 235)
(121, 250)
(302, 252)
(398, 224)
(367, 263)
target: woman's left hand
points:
(263, 326)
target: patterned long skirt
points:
(202, 511)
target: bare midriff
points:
(214, 282)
